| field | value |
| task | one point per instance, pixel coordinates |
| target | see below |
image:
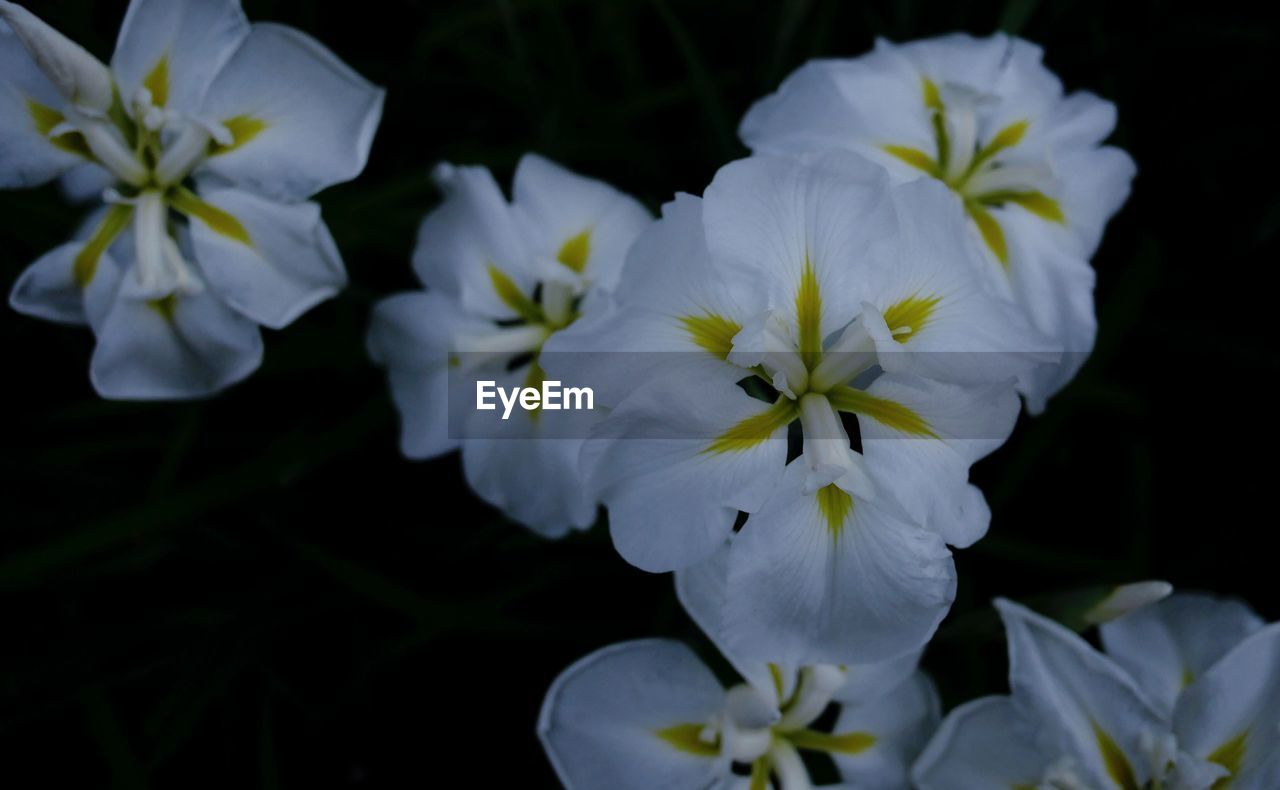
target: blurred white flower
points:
(986, 118)
(207, 134)
(850, 297)
(501, 279)
(1186, 698)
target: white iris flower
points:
(986, 118)
(208, 135)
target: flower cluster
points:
(204, 139)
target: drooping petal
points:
(678, 459)
(631, 716)
(283, 264)
(300, 119)
(176, 48)
(181, 347)
(1084, 705)
(898, 724)
(982, 743)
(76, 282)
(825, 578)
(581, 224)
(30, 108)
(1168, 645)
(1231, 715)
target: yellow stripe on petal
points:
(686, 738)
(914, 157)
(756, 429)
(911, 314)
(809, 314)
(1113, 759)
(166, 307)
(86, 261)
(991, 232)
(760, 771)
(775, 674)
(1007, 137)
(882, 410)
(46, 119)
(711, 332)
(1229, 755)
(158, 82)
(575, 252)
(243, 128)
(932, 97)
(217, 220)
(837, 743)
(835, 505)
(513, 297)
(1037, 203)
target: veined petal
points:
(1231, 715)
(30, 108)
(289, 265)
(1084, 704)
(982, 743)
(1168, 645)
(175, 48)
(314, 117)
(874, 588)
(898, 724)
(631, 716)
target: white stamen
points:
(962, 105)
(1126, 598)
(150, 229)
(747, 721)
(80, 77)
(766, 341)
(789, 768)
(108, 146)
(817, 685)
(557, 302)
(183, 155)
(827, 449)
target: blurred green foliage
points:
(258, 591)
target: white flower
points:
(852, 298)
(985, 117)
(211, 133)
(502, 278)
(1188, 698)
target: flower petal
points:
(611, 719)
(30, 107)
(1167, 645)
(1084, 705)
(308, 118)
(900, 721)
(806, 587)
(175, 49)
(983, 743)
(290, 265)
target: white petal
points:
(980, 744)
(800, 594)
(864, 683)
(1078, 698)
(555, 205)
(929, 475)
(1169, 644)
(1098, 185)
(28, 158)
(671, 501)
(600, 718)
(320, 116)
(193, 38)
(292, 264)
(1238, 698)
(901, 722)
(85, 182)
(47, 288)
(143, 355)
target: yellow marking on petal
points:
(1188, 677)
(243, 128)
(913, 156)
(835, 504)
(1114, 761)
(686, 738)
(158, 82)
(46, 119)
(912, 314)
(711, 332)
(513, 297)
(838, 743)
(575, 251)
(775, 674)
(755, 429)
(932, 98)
(882, 410)
(1037, 203)
(221, 222)
(1007, 137)
(760, 771)
(991, 232)
(1229, 755)
(165, 306)
(86, 261)
(809, 314)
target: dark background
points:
(258, 591)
